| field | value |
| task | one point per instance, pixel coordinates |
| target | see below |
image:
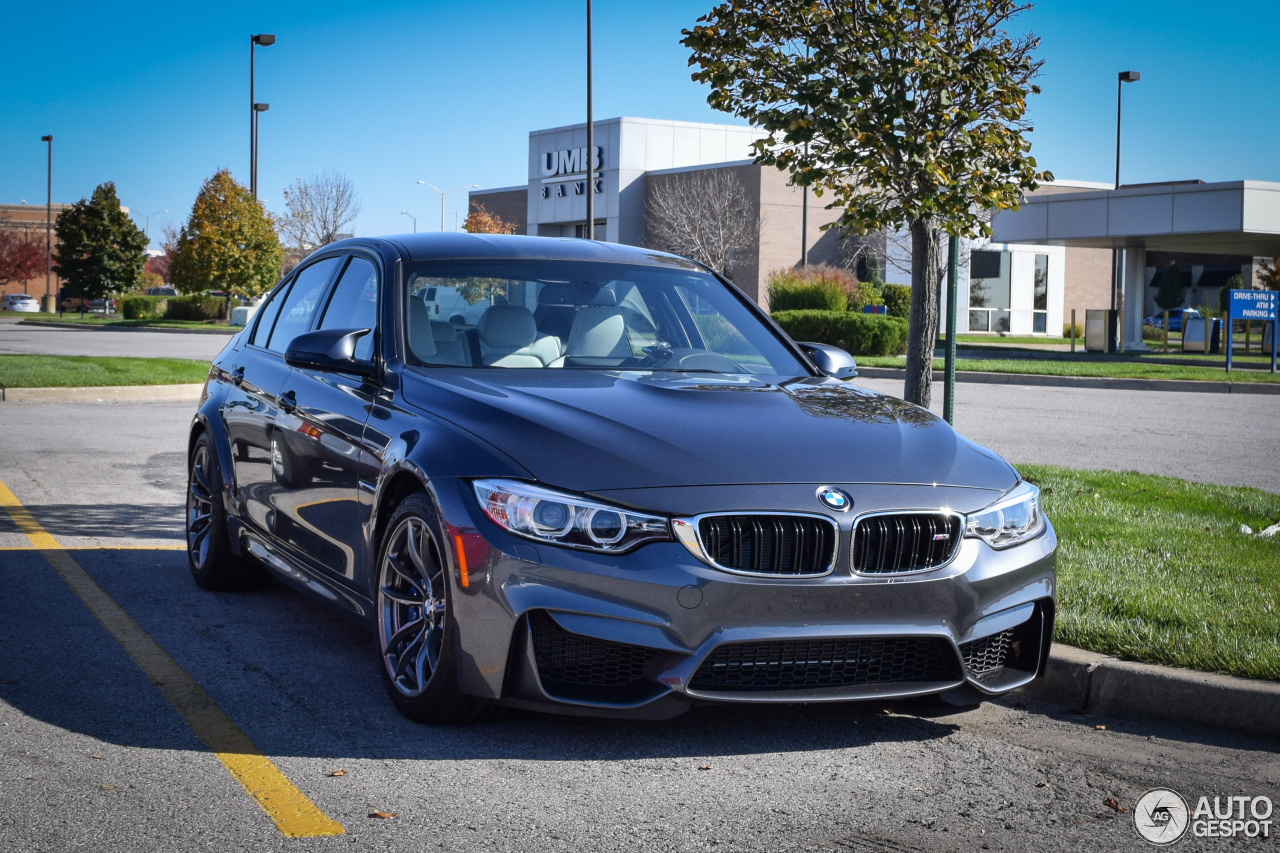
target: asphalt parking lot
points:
(96, 758)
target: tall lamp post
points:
(414, 218)
(590, 232)
(48, 220)
(1117, 294)
(264, 40)
(146, 227)
(445, 194)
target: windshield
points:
(584, 315)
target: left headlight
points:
(557, 518)
(1012, 520)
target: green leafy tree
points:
(228, 242)
(99, 249)
(909, 114)
(1171, 292)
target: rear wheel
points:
(416, 640)
(212, 562)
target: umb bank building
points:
(1016, 288)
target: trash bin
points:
(1097, 329)
(1201, 334)
(241, 313)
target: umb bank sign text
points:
(567, 163)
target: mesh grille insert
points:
(799, 664)
(904, 542)
(770, 544)
(566, 658)
(987, 655)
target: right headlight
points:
(1012, 520)
(557, 518)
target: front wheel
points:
(416, 640)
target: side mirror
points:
(330, 350)
(830, 361)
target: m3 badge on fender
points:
(833, 498)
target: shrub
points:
(143, 307)
(864, 293)
(200, 307)
(1066, 330)
(858, 334)
(1151, 333)
(790, 293)
(897, 299)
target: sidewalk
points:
(106, 393)
(1094, 382)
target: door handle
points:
(237, 376)
(288, 402)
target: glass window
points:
(979, 321)
(267, 317)
(354, 304)
(577, 314)
(300, 304)
(1042, 283)
(989, 279)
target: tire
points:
(213, 564)
(417, 643)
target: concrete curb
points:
(1101, 684)
(81, 327)
(1096, 383)
(105, 394)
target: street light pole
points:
(146, 228)
(265, 40)
(48, 220)
(414, 218)
(1116, 333)
(590, 233)
(444, 194)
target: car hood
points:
(591, 431)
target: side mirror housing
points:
(830, 361)
(329, 350)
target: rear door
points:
(319, 433)
(258, 375)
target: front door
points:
(318, 437)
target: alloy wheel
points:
(411, 606)
(200, 494)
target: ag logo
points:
(1161, 816)
(833, 498)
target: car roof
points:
(456, 246)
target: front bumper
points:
(649, 632)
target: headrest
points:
(508, 326)
(443, 332)
(458, 320)
(606, 296)
(560, 294)
(420, 339)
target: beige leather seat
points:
(599, 330)
(421, 339)
(451, 348)
(509, 338)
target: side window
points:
(267, 317)
(300, 304)
(354, 304)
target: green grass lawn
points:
(1082, 367)
(117, 322)
(67, 371)
(1155, 569)
(962, 338)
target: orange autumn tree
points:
(481, 221)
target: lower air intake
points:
(567, 658)
(803, 664)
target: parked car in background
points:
(165, 290)
(618, 488)
(22, 302)
(1175, 318)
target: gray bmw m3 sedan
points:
(589, 478)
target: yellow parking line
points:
(293, 814)
(101, 548)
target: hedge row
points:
(859, 334)
(199, 308)
(143, 307)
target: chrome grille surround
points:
(871, 524)
(693, 528)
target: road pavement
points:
(47, 340)
(94, 758)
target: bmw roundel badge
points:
(833, 498)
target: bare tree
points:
(318, 210)
(704, 215)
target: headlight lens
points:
(1012, 520)
(560, 519)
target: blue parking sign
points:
(1253, 306)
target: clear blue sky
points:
(155, 96)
